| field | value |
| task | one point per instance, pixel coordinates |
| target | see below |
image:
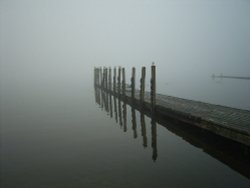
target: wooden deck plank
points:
(236, 120)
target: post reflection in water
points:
(115, 108)
(105, 101)
(134, 122)
(143, 130)
(97, 96)
(154, 139)
(120, 112)
(124, 117)
(111, 106)
(232, 154)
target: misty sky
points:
(70, 37)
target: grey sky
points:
(183, 37)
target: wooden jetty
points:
(230, 123)
(231, 153)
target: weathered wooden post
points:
(106, 78)
(119, 81)
(97, 76)
(133, 83)
(110, 78)
(101, 79)
(94, 76)
(142, 87)
(123, 82)
(114, 81)
(153, 87)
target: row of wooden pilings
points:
(118, 86)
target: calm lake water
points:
(65, 135)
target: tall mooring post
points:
(153, 87)
(101, 77)
(119, 81)
(142, 82)
(106, 78)
(123, 82)
(97, 72)
(133, 83)
(110, 79)
(95, 76)
(114, 81)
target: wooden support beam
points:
(114, 81)
(119, 80)
(101, 76)
(123, 82)
(133, 83)
(142, 82)
(110, 79)
(153, 87)
(106, 78)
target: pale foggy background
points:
(53, 133)
(54, 43)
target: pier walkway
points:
(228, 122)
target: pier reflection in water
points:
(108, 102)
(235, 155)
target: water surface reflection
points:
(235, 155)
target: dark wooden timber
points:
(153, 88)
(231, 153)
(231, 123)
(133, 83)
(123, 82)
(114, 81)
(142, 82)
(110, 79)
(119, 80)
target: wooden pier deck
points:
(227, 122)
(233, 154)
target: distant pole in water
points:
(153, 86)
(142, 81)
(133, 83)
(123, 82)
(114, 81)
(232, 77)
